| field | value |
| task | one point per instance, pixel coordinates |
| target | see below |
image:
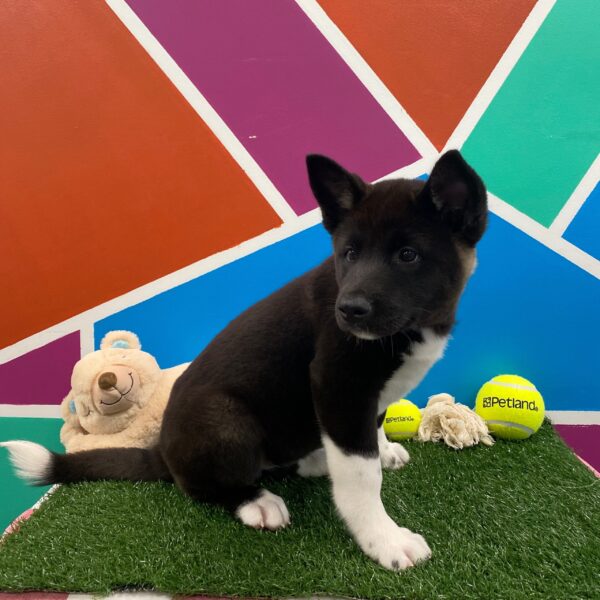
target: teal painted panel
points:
(541, 132)
(15, 495)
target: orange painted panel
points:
(433, 55)
(108, 179)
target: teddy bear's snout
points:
(116, 389)
(107, 381)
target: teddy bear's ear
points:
(120, 339)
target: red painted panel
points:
(433, 55)
(108, 178)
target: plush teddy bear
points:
(118, 396)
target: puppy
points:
(304, 377)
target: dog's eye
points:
(351, 255)
(408, 255)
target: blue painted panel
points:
(177, 324)
(584, 231)
(526, 310)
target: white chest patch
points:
(408, 376)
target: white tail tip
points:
(31, 461)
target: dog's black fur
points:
(312, 358)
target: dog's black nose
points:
(355, 308)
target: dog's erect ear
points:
(458, 195)
(337, 191)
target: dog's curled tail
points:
(40, 466)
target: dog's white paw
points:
(314, 464)
(393, 455)
(268, 511)
(397, 548)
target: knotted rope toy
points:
(455, 424)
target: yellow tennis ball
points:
(402, 420)
(511, 406)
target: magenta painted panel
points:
(280, 87)
(43, 376)
(584, 440)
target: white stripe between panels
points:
(578, 197)
(44, 411)
(86, 338)
(34, 411)
(499, 74)
(574, 417)
(206, 112)
(561, 417)
(545, 236)
(423, 165)
(368, 77)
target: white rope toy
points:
(455, 424)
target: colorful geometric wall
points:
(152, 172)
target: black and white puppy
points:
(304, 377)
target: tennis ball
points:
(402, 420)
(511, 406)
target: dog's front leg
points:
(349, 431)
(356, 479)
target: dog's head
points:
(403, 248)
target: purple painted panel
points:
(584, 440)
(43, 376)
(280, 87)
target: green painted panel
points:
(15, 495)
(541, 132)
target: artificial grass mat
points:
(518, 520)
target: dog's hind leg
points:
(264, 511)
(313, 464)
(392, 454)
(213, 447)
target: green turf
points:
(519, 520)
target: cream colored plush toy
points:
(455, 424)
(118, 396)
